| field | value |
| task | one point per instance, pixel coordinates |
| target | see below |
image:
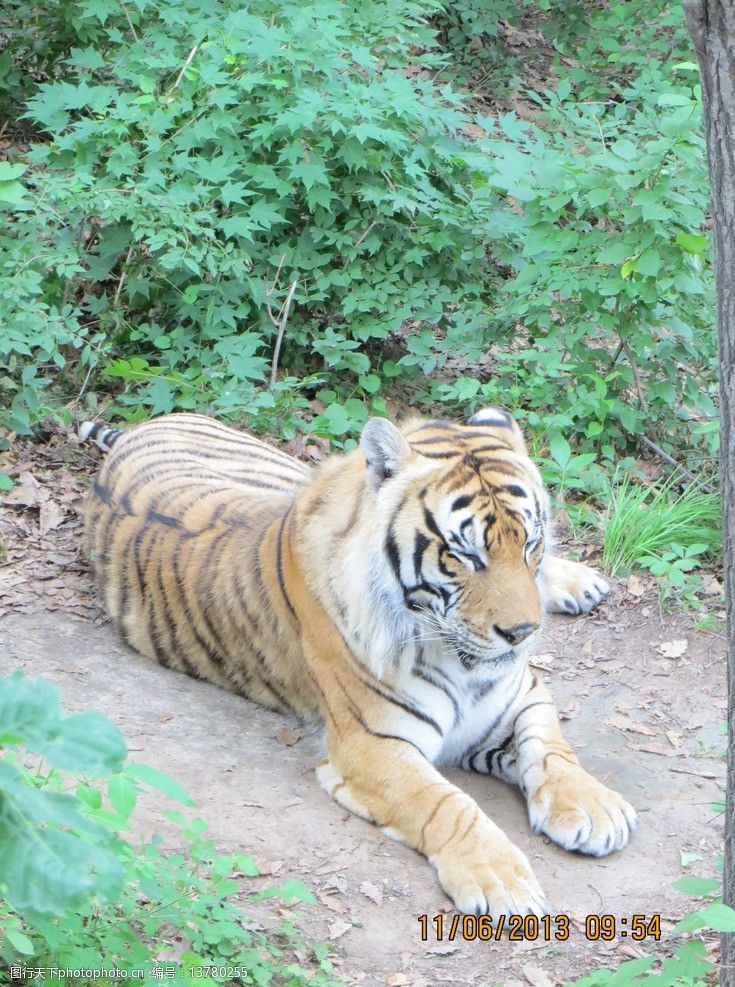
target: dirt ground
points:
(642, 693)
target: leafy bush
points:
(201, 160)
(75, 895)
(612, 300)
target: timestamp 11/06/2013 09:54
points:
(531, 928)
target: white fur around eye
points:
(472, 559)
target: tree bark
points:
(711, 24)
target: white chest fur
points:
(448, 711)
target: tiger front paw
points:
(490, 876)
(579, 813)
(571, 587)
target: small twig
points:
(366, 233)
(359, 240)
(602, 136)
(636, 378)
(280, 324)
(269, 291)
(78, 398)
(602, 900)
(184, 67)
(75, 403)
(698, 774)
(132, 26)
(616, 354)
(705, 487)
(122, 275)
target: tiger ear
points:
(384, 448)
(496, 418)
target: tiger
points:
(393, 593)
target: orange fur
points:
(393, 593)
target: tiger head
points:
(465, 518)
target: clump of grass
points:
(644, 524)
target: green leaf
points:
(564, 89)
(560, 449)
(86, 742)
(716, 916)
(371, 383)
(6, 482)
(648, 263)
(337, 419)
(288, 891)
(693, 243)
(8, 171)
(466, 387)
(47, 870)
(160, 781)
(697, 885)
(12, 192)
(100, 9)
(310, 172)
(123, 795)
(674, 99)
(624, 149)
(627, 269)
(29, 708)
(687, 858)
(21, 942)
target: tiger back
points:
(184, 528)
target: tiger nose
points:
(514, 635)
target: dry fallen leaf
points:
(650, 747)
(329, 869)
(399, 980)
(50, 516)
(333, 904)
(373, 892)
(673, 738)
(626, 723)
(165, 717)
(28, 492)
(267, 868)
(673, 649)
(338, 928)
(635, 586)
(543, 661)
(572, 709)
(288, 736)
(613, 666)
(711, 585)
(536, 976)
(630, 951)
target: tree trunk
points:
(711, 24)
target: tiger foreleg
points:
(390, 783)
(564, 801)
(570, 587)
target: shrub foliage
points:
(76, 896)
(191, 162)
